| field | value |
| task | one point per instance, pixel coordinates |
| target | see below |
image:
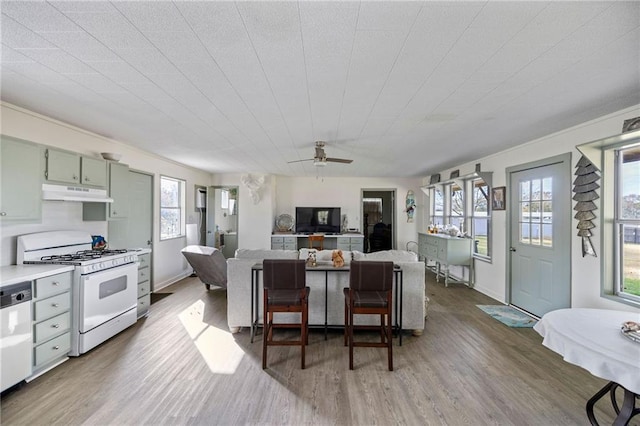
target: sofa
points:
(239, 287)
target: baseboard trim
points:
(160, 285)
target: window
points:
(480, 217)
(456, 203)
(465, 203)
(224, 199)
(437, 217)
(627, 222)
(172, 206)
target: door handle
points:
(512, 249)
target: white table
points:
(591, 339)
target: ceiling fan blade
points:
(298, 161)
(340, 160)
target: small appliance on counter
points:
(98, 242)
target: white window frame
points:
(433, 219)
(181, 231)
(619, 223)
(466, 184)
(472, 217)
(602, 153)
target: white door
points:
(540, 250)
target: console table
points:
(346, 242)
(447, 251)
(592, 339)
(326, 268)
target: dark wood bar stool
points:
(369, 293)
(285, 290)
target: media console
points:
(347, 242)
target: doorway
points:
(539, 235)
(222, 219)
(378, 219)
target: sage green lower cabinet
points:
(21, 166)
(350, 243)
(144, 284)
(284, 243)
(51, 321)
(118, 190)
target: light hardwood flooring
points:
(181, 366)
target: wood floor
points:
(181, 366)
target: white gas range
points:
(104, 285)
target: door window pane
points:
(536, 212)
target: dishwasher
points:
(16, 341)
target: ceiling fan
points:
(321, 159)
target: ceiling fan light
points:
(320, 162)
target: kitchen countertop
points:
(140, 250)
(13, 274)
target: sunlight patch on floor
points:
(217, 347)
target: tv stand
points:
(347, 242)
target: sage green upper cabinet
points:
(21, 183)
(62, 166)
(118, 190)
(94, 172)
(71, 168)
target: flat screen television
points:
(317, 219)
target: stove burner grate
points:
(82, 255)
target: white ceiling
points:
(402, 88)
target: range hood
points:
(74, 193)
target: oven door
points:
(106, 294)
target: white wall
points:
(491, 277)
(345, 193)
(167, 260)
(254, 220)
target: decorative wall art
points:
(498, 198)
(584, 189)
(410, 205)
(254, 184)
(631, 124)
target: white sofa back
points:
(239, 285)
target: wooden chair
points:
(319, 239)
(285, 291)
(369, 293)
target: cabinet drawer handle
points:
(3, 213)
(55, 325)
(56, 283)
(55, 305)
(55, 348)
(86, 178)
(75, 177)
(142, 274)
